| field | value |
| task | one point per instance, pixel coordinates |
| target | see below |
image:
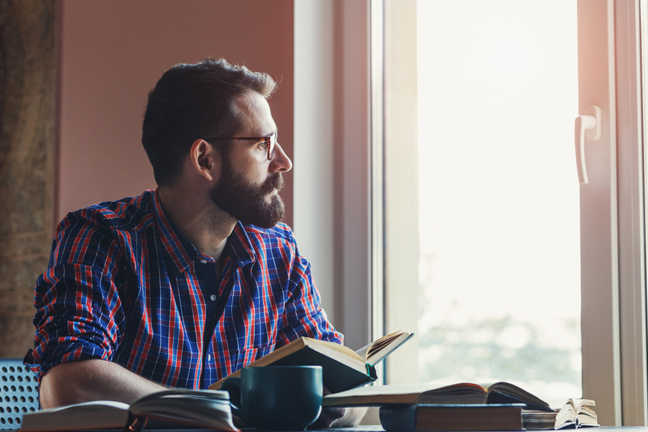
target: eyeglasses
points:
(269, 141)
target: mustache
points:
(275, 181)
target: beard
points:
(247, 202)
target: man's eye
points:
(263, 144)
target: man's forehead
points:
(256, 117)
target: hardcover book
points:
(342, 367)
(504, 417)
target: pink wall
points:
(111, 55)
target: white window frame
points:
(613, 268)
(599, 235)
(613, 319)
(631, 213)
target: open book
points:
(342, 367)
(576, 413)
(202, 408)
(463, 393)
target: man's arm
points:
(86, 380)
(338, 417)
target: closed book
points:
(451, 417)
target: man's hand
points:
(338, 417)
(87, 380)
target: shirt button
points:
(203, 261)
(212, 297)
(208, 357)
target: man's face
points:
(249, 183)
(256, 204)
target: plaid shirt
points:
(124, 285)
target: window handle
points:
(586, 126)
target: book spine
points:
(395, 419)
(135, 423)
(371, 372)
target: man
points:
(181, 286)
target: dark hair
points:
(192, 101)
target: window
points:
(483, 203)
(498, 197)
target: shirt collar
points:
(180, 251)
(239, 247)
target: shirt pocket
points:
(244, 357)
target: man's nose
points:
(280, 161)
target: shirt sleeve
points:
(78, 311)
(303, 314)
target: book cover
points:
(425, 417)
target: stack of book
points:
(500, 406)
(465, 406)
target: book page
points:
(367, 350)
(463, 393)
(101, 414)
(515, 391)
(380, 348)
(579, 404)
(98, 405)
(181, 395)
(583, 413)
(201, 408)
(336, 347)
(407, 389)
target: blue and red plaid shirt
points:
(124, 285)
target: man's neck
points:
(205, 225)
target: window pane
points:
(498, 194)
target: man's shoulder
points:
(279, 237)
(126, 214)
(280, 231)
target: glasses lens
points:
(271, 147)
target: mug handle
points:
(233, 387)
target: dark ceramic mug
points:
(277, 397)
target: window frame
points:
(631, 183)
(613, 260)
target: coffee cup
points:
(277, 397)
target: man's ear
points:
(205, 159)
